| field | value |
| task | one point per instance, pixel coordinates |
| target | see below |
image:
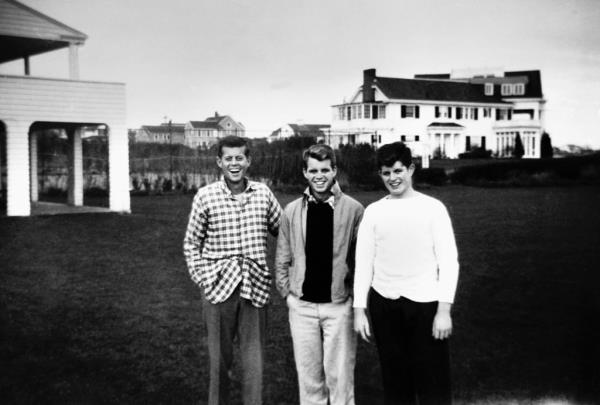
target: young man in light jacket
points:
(314, 273)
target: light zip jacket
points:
(290, 259)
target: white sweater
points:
(406, 248)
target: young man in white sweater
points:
(406, 275)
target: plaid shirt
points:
(226, 241)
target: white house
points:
(170, 133)
(31, 104)
(443, 115)
(206, 133)
(317, 131)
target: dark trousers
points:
(415, 366)
(235, 316)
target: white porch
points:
(28, 103)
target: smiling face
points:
(320, 176)
(233, 163)
(397, 179)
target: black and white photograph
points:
(308, 202)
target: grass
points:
(99, 308)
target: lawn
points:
(99, 308)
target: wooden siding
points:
(19, 21)
(60, 100)
(26, 100)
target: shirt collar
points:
(335, 195)
(223, 186)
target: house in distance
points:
(444, 115)
(195, 134)
(317, 131)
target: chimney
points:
(367, 88)
(216, 114)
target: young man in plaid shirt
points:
(225, 247)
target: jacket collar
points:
(336, 193)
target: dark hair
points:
(233, 141)
(391, 153)
(320, 152)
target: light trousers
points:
(324, 350)
(235, 316)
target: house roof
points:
(308, 129)
(444, 124)
(531, 78)
(164, 128)
(26, 32)
(212, 124)
(434, 90)
(534, 85)
(304, 129)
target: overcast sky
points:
(268, 62)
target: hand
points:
(361, 324)
(442, 325)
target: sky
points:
(270, 62)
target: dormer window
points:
(489, 89)
(507, 89)
(519, 89)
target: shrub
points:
(518, 151)
(96, 192)
(435, 176)
(530, 172)
(476, 153)
(546, 150)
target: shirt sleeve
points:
(195, 235)
(283, 258)
(365, 257)
(446, 255)
(273, 214)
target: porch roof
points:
(26, 32)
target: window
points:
(381, 112)
(409, 111)
(459, 113)
(487, 112)
(416, 138)
(489, 89)
(503, 114)
(353, 112)
(506, 89)
(402, 138)
(472, 113)
(367, 110)
(349, 113)
(519, 89)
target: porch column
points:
(17, 168)
(75, 188)
(118, 168)
(73, 61)
(33, 167)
